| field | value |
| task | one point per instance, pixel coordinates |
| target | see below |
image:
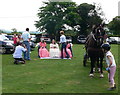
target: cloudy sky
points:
(20, 14)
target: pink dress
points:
(68, 50)
(43, 52)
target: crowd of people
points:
(56, 52)
(43, 52)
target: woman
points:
(15, 39)
(43, 52)
(54, 50)
(63, 45)
(18, 38)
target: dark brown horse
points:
(94, 51)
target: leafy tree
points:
(114, 26)
(14, 30)
(75, 20)
(53, 17)
(1, 31)
(89, 15)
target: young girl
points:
(69, 50)
(15, 39)
(111, 65)
(43, 52)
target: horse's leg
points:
(92, 65)
(98, 65)
(85, 59)
(101, 66)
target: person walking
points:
(26, 39)
(63, 44)
(111, 65)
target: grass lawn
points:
(54, 76)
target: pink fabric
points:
(15, 40)
(111, 74)
(42, 44)
(43, 52)
(68, 50)
(68, 45)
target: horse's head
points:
(99, 36)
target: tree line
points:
(72, 18)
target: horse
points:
(95, 52)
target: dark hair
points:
(27, 29)
(19, 43)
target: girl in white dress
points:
(54, 50)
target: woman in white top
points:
(54, 50)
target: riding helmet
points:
(106, 47)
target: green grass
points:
(54, 76)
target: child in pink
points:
(15, 39)
(111, 66)
(68, 50)
(43, 52)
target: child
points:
(17, 55)
(43, 52)
(111, 65)
(69, 50)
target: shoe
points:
(98, 69)
(115, 86)
(101, 76)
(16, 63)
(67, 57)
(93, 69)
(61, 57)
(111, 88)
(91, 75)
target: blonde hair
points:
(61, 32)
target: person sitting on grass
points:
(111, 65)
(43, 52)
(17, 55)
(54, 50)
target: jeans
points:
(27, 53)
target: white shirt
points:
(18, 51)
(62, 39)
(112, 58)
(54, 46)
(25, 36)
